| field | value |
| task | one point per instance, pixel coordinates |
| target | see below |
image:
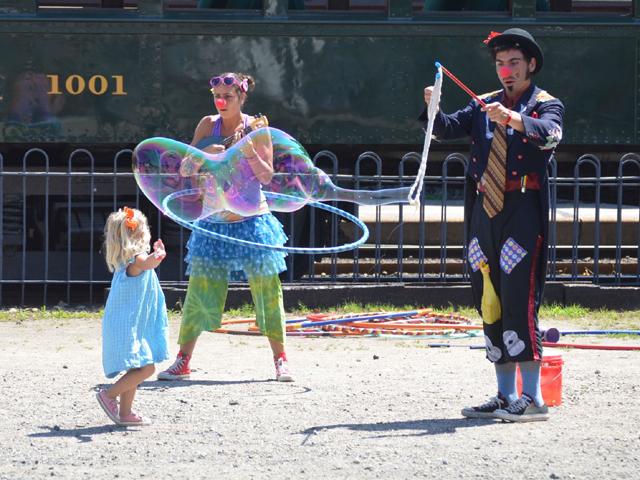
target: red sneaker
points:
(179, 370)
(283, 374)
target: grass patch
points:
(22, 314)
(559, 312)
(246, 310)
(586, 318)
(549, 314)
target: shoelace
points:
(493, 401)
(111, 403)
(177, 365)
(520, 405)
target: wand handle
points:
(460, 84)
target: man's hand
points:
(428, 91)
(498, 113)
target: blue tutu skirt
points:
(219, 260)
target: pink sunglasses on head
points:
(228, 81)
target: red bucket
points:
(550, 380)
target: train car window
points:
(476, 5)
(624, 7)
(352, 5)
(79, 4)
(293, 5)
(231, 4)
(219, 4)
(465, 5)
(180, 4)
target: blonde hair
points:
(121, 242)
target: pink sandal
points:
(132, 420)
(109, 405)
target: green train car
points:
(338, 74)
(95, 77)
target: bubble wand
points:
(460, 84)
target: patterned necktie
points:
(494, 177)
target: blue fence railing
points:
(52, 216)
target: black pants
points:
(510, 243)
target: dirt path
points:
(361, 408)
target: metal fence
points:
(52, 218)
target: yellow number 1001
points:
(76, 84)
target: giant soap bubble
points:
(191, 184)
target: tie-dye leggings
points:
(203, 307)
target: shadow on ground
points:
(84, 434)
(416, 428)
(288, 389)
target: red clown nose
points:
(504, 72)
(221, 103)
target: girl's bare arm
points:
(147, 261)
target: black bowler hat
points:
(518, 38)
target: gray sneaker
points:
(523, 410)
(487, 409)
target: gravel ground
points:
(360, 408)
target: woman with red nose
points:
(213, 263)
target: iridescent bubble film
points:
(265, 165)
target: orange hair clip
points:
(130, 223)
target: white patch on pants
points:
(514, 345)
(493, 353)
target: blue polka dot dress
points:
(221, 260)
(135, 323)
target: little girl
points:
(134, 326)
